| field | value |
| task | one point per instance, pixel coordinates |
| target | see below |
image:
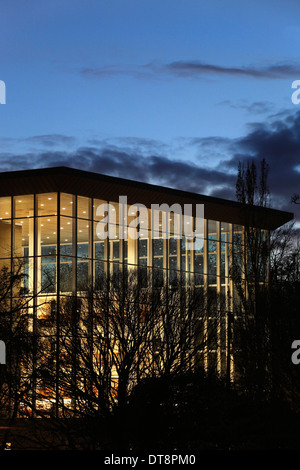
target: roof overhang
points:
(109, 188)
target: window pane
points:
(5, 207)
(99, 252)
(47, 204)
(212, 244)
(98, 208)
(212, 269)
(66, 204)
(83, 234)
(66, 277)
(158, 247)
(47, 230)
(212, 226)
(83, 207)
(48, 254)
(199, 245)
(48, 277)
(5, 239)
(99, 273)
(24, 206)
(82, 276)
(143, 248)
(115, 250)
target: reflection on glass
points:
(66, 276)
(99, 274)
(199, 269)
(83, 235)
(212, 243)
(48, 277)
(212, 268)
(66, 252)
(99, 250)
(82, 276)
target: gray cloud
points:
(277, 141)
(193, 69)
(46, 140)
(146, 160)
(257, 107)
(157, 169)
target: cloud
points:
(195, 68)
(257, 107)
(192, 69)
(37, 141)
(278, 141)
(50, 140)
(126, 163)
(150, 161)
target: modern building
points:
(54, 222)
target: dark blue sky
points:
(166, 91)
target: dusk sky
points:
(170, 92)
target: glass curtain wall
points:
(66, 243)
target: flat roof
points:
(110, 188)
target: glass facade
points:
(59, 240)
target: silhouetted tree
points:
(16, 375)
(116, 337)
(250, 275)
(267, 288)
